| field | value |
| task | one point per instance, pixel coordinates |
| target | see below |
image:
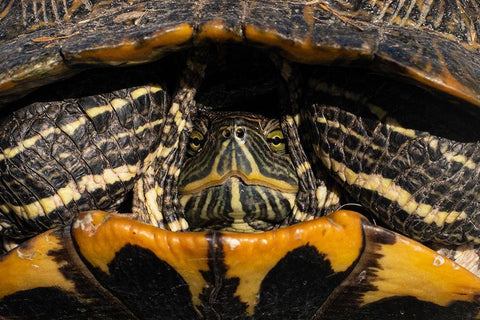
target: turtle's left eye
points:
(196, 141)
(276, 140)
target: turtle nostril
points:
(240, 133)
(226, 133)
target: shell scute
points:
(337, 266)
(316, 33)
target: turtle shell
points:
(432, 42)
(107, 266)
(340, 267)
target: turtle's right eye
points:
(196, 141)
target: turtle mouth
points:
(236, 206)
(214, 180)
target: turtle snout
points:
(237, 133)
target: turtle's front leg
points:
(419, 184)
(155, 196)
(60, 158)
(318, 194)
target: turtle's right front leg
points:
(60, 158)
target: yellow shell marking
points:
(401, 273)
(33, 266)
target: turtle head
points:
(238, 175)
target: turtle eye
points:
(196, 141)
(276, 140)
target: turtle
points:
(230, 143)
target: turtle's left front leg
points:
(155, 195)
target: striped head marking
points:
(238, 175)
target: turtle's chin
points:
(237, 206)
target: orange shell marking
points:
(140, 50)
(100, 236)
(400, 274)
(31, 266)
(251, 256)
(218, 31)
(303, 51)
